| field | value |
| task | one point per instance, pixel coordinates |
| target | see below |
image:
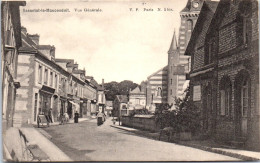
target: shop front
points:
(63, 105)
(83, 107)
(73, 106)
(46, 94)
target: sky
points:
(115, 44)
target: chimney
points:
(35, 38)
(24, 30)
(103, 83)
(76, 66)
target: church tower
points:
(178, 64)
(173, 59)
(189, 16)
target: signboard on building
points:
(196, 93)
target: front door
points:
(244, 103)
(207, 109)
(70, 109)
(46, 103)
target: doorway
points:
(242, 99)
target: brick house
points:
(202, 75)
(231, 45)
(10, 43)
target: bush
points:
(184, 118)
(139, 112)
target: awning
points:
(47, 89)
(75, 104)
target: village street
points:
(86, 141)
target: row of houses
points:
(35, 81)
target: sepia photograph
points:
(122, 80)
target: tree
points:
(115, 88)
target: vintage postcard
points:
(120, 80)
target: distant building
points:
(93, 105)
(137, 99)
(101, 97)
(75, 85)
(90, 93)
(156, 88)
(10, 43)
(120, 106)
(109, 108)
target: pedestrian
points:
(99, 118)
(76, 117)
(50, 115)
(46, 114)
(66, 115)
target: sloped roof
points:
(212, 6)
(89, 77)
(45, 47)
(95, 83)
(165, 67)
(109, 103)
(79, 71)
(70, 62)
(174, 45)
(122, 98)
(27, 42)
(136, 90)
(29, 46)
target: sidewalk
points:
(20, 143)
(70, 121)
(52, 151)
(208, 145)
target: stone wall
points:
(144, 122)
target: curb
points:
(218, 151)
(205, 148)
